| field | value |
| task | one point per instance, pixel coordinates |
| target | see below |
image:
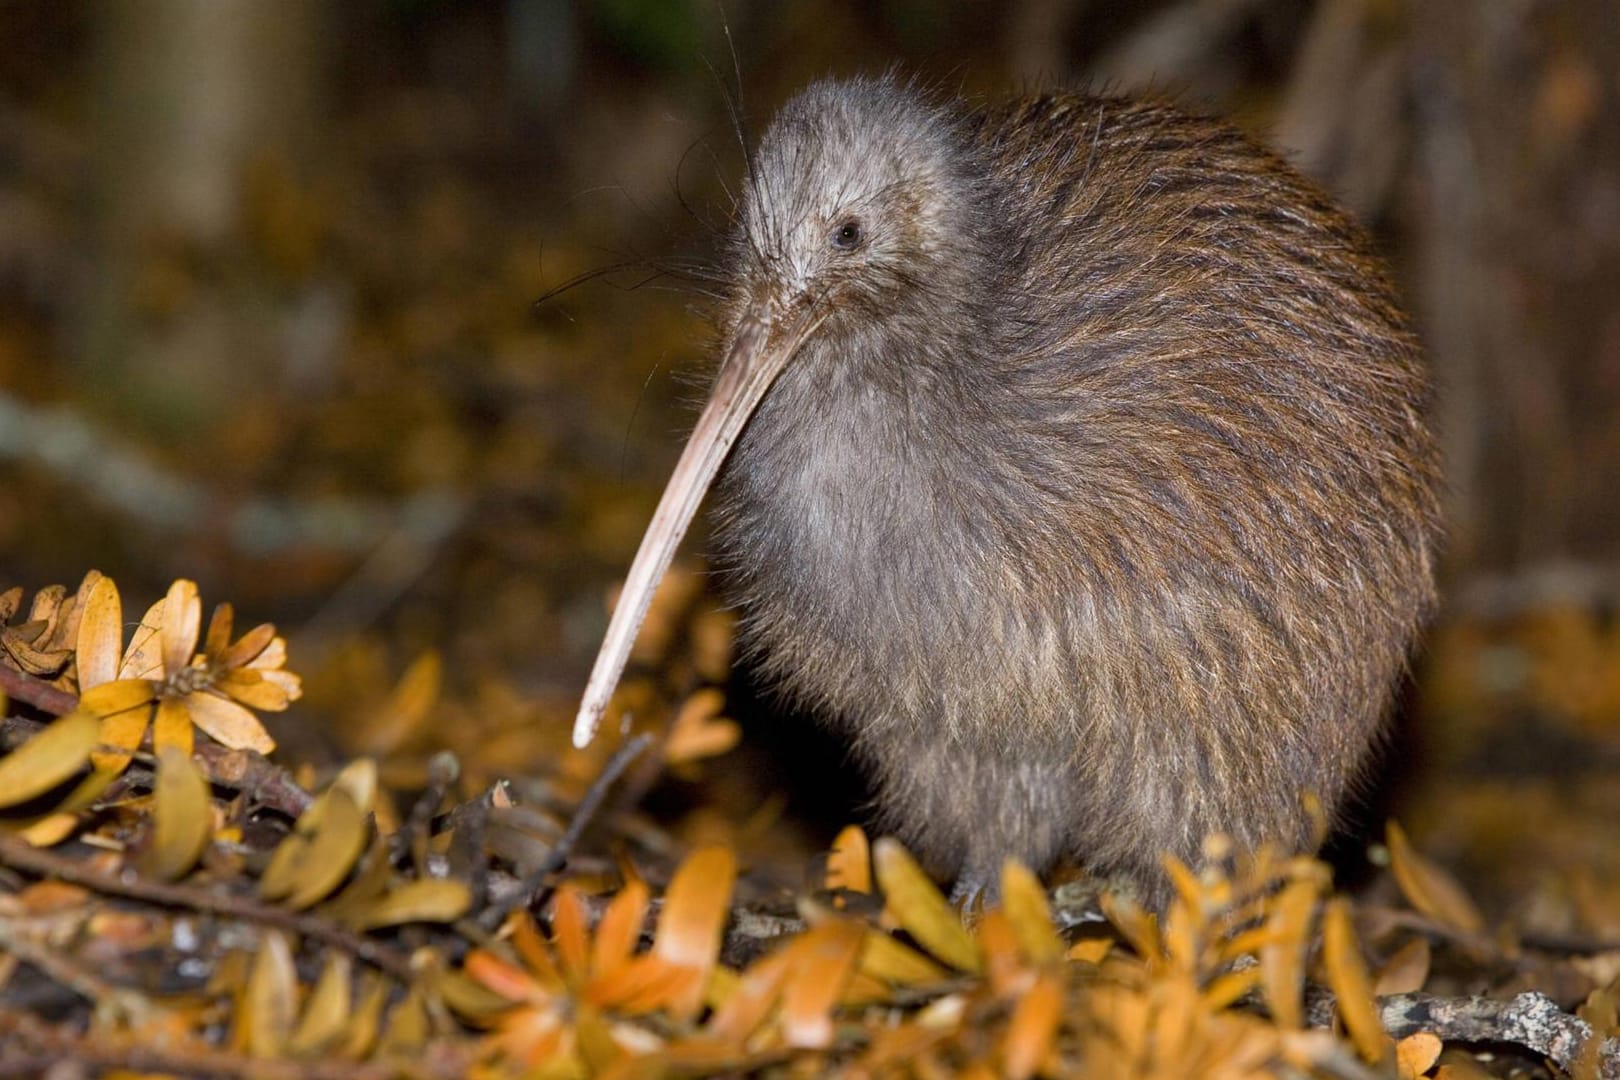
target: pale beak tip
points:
(585, 725)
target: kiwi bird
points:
(1073, 461)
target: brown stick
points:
(20, 855)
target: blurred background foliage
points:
(268, 319)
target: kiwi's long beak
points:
(760, 348)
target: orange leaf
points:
(1416, 1054)
(249, 647)
(1139, 929)
(507, 980)
(101, 635)
(1282, 956)
(182, 619)
(998, 943)
(144, 657)
(1024, 901)
(219, 631)
(570, 934)
(751, 1001)
(1031, 1028)
(1429, 888)
(531, 948)
(696, 906)
(1347, 975)
(698, 731)
(228, 723)
(823, 959)
(849, 864)
(620, 930)
(171, 727)
(920, 908)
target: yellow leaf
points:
(1347, 976)
(182, 818)
(407, 1029)
(1090, 950)
(696, 906)
(182, 620)
(251, 688)
(920, 908)
(50, 830)
(749, 1004)
(1024, 901)
(228, 723)
(118, 697)
(171, 726)
(270, 999)
(408, 707)
(1031, 1028)
(882, 957)
(101, 635)
(327, 1010)
(1139, 929)
(125, 708)
(361, 1036)
(1429, 888)
(849, 865)
(823, 959)
(359, 780)
(433, 900)
(144, 657)
(49, 758)
(321, 851)
(1282, 956)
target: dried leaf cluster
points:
(175, 905)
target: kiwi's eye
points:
(847, 237)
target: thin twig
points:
(20, 855)
(21, 686)
(534, 889)
(1531, 1019)
(26, 1040)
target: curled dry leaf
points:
(1429, 888)
(920, 909)
(320, 852)
(183, 818)
(1406, 971)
